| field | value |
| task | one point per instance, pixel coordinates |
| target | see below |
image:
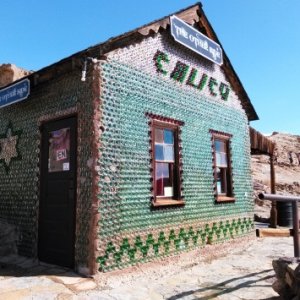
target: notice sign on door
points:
(195, 40)
(59, 150)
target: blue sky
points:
(260, 37)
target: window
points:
(222, 166)
(166, 170)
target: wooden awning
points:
(260, 144)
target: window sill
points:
(225, 199)
(167, 202)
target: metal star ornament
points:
(9, 146)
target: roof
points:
(260, 144)
(193, 15)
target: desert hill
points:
(287, 170)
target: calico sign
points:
(195, 40)
(15, 93)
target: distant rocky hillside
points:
(10, 73)
(287, 170)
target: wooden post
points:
(273, 217)
(296, 229)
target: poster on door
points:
(59, 150)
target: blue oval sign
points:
(15, 93)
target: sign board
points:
(195, 40)
(15, 93)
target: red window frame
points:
(222, 172)
(162, 123)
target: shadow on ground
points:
(221, 289)
(11, 270)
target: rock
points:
(289, 279)
(297, 273)
(258, 185)
(280, 266)
(287, 272)
(278, 285)
(10, 73)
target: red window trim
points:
(229, 197)
(166, 123)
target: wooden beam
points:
(273, 213)
(273, 232)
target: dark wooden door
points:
(58, 192)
